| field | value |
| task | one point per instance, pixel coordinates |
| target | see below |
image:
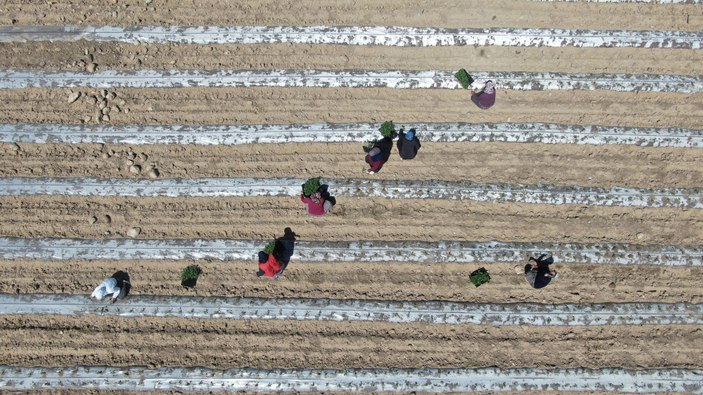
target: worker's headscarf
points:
(263, 257)
(410, 135)
(489, 88)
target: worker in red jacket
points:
(269, 265)
(316, 204)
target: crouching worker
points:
(378, 155)
(485, 97)
(538, 274)
(316, 203)
(269, 265)
(408, 144)
(116, 285)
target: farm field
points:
(185, 142)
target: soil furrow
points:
(213, 106)
(577, 283)
(323, 345)
(446, 13)
(71, 56)
(351, 219)
(605, 166)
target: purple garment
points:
(484, 100)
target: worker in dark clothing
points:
(377, 155)
(408, 144)
(538, 274)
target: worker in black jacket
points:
(538, 274)
(408, 144)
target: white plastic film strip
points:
(352, 380)
(390, 189)
(354, 251)
(435, 312)
(395, 79)
(353, 132)
(403, 36)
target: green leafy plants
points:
(270, 247)
(311, 186)
(189, 275)
(479, 277)
(387, 129)
(464, 78)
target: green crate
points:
(464, 78)
(479, 277)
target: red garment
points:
(314, 207)
(271, 267)
(375, 165)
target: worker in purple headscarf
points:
(486, 97)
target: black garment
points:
(386, 146)
(536, 277)
(408, 149)
(122, 283)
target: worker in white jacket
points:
(109, 286)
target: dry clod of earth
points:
(134, 232)
(153, 173)
(107, 218)
(73, 97)
(105, 155)
(93, 220)
(106, 118)
(135, 169)
(91, 68)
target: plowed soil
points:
(576, 165)
(156, 342)
(74, 56)
(213, 106)
(445, 13)
(351, 219)
(577, 283)
(324, 345)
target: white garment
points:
(109, 286)
(477, 86)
